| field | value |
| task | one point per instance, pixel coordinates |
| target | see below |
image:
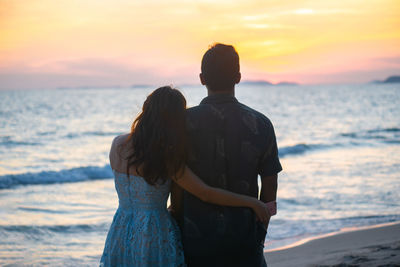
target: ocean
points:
(339, 146)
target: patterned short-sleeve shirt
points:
(230, 144)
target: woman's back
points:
(143, 232)
(135, 194)
(133, 191)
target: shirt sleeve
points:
(269, 163)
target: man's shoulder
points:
(202, 111)
(248, 109)
(246, 112)
(193, 109)
(244, 108)
(198, 108)
(252, 113)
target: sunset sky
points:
(56, 43)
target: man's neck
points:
(230, 92)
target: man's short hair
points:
(220, 67)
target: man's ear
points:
(202, 79)
(238, 77)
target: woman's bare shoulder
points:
(119, 151)
(120, 139)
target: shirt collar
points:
(219, 99)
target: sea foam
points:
(51, 177)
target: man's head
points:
(220, 69)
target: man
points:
(230, 144)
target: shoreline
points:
(365, 246)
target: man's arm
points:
(269, 187)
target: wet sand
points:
(373, 246)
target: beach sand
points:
(373, 246)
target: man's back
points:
(230, 145)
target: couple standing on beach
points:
(208, 157)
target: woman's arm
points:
(191, 183)
(269, 187)
(176, 202)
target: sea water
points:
(339, 146)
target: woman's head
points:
(158, 137)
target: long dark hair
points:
(158, 136)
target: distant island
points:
(85, 87)
(139, 85)
(262, 82)
(391, 79)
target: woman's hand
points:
(261, 210)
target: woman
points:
(145, 162)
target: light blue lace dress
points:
(142, 233)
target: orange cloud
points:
(275, 40)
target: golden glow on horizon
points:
(159, 40)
